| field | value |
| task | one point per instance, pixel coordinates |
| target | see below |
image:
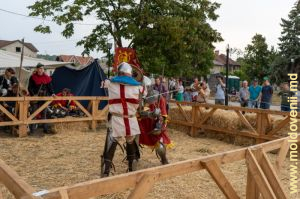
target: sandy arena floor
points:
(72, 156)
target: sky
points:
(238, 22)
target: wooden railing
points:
(23, 118)
(262, 176)
(199, 114)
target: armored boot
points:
(132, 155)
(161, 153)
(106, 159)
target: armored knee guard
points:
(161, 153)
(133, 154)
(108, 154)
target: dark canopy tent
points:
(82, 82)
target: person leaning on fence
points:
(244, 94)
(255, 94)
(220, 91)
(203, 93)
(40, 84)
(7, 81)
(285, 93)
(266, 94)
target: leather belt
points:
(123, 116)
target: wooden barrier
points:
(198, 120)
(24, 118)
(261, 180)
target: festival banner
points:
(125, 55)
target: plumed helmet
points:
(125, 68)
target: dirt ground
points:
(72, 156)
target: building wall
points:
(12, 48)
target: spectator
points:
(220, 91)
(203, 93)
(180, 91)
(172, 87)
(40, 84)
(160, 87)
(255, 92)
(266, 94)
(187, 95)
(285, 93)
(195, 87)
(244, 94)
(7, 81)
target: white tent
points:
(10, 59)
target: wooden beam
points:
(8, 114)
(82, 108)
(183, 112)
(251, 187)
(143, 186)
(40, 109)
(271, 176)
(279, 126)
(14, 183)
(246, 122)
(59, 120)
(95, 105)
(218, 176)
(123, 182)
(64, 194)
(103, 113)
(193, 128)
(282, 155)
(207, 116)
(259, 177)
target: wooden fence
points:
(263, 130)
(23, 118)
(262, 176)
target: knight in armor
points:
(123, 94)
(153, 125)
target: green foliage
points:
(174, 35)
(47, 57)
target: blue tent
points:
(82, 82)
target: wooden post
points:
(64, 194)
(23, 111)
(282, 155)
(95, 105)
(259, 127)
(143, 186)
(251, 188)
(258, 176)
(193, 128)
(218, 176)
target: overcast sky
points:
(239, 21)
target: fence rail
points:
(262, 176)
(22, 118)
(263, 131)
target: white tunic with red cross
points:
(124, 100)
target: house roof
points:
(4, 43)
(221, 58)
(81, 60)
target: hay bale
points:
(225, 119)
(70, 127)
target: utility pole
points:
(227, 68)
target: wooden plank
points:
(272, 177)
(218, 176)
(183, 112)
(259, 177)
(10, 123)
(95, 105)
(181, 122)
(8, 114)
(82, 108)
(143, 186)
(251, 188)
(279, 126)
(60, 120)
(282, 155)
(14, 183)
(123, 182)
(64, 194)
(39, 98)
(193, 128)
(207, 116)
(40, 109)
(22, 131)
(245, 121)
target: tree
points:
(257, 58)
(172, 34)
(289, 47)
